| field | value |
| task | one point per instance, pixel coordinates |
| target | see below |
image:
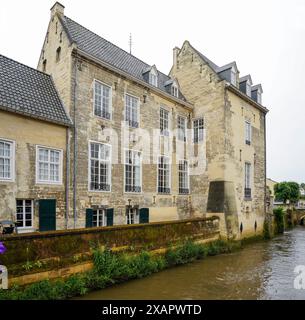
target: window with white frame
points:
(233, 76)
(100, 167)
(102, 100)
(248, 132)
(164, 175)
(248, 88)
(132, 111)
(7, 153)
(175, 91)
(181, 125)
(99, 218)
(24, 213)
(183, 172)
(247, 180)
(164, 122)
(132, 171)
(259, 97)
(153, 78)
(132, 215)
(49, 165)
(198, 127)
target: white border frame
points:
(24, 229)
(138, 113)
(188, 177)
(13, 161)
(249, 122)
(185, 121)
(110, 104)
(192, 128)
(167, 109)
(141, 172)
(170, 175)
(60, 182)
(89, 171)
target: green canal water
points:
(262, 270)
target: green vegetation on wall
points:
(279, 219)
(110, 268)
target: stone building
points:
(33, 129)
(150, 147)
(234, 182)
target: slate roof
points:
(105, 51)
(27, 91)
(245, 78)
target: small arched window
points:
(58, 52)
(44, 65)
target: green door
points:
(47, 215)
(144, 215)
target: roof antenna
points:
(130, 43)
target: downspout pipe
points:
(74, 145)
(67, 176)
(265, 164)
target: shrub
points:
(110, 268)
(279, 219)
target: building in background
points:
(33, 144)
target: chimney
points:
(58, 9)
(176, 51)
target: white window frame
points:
(259, 97)
(153, 78)
(136, 218)
(110, 166)
(188, 175)
(130, 112)
(100, 212)
(248, 131)
(248, 88)
(12, 160)
(49, 182)
(169, 175)
(110, 99)
(180, 132)
(233, 76)
(175, 90)
(164, 132)
(133, 151)
(193, 130)
(248, 178)
(24, 213)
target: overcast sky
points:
(265, 37)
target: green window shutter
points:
(89, 215)
(109, 214)
(144, 215)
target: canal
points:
(263, 270)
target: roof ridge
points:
(24, 65)
(148, 65)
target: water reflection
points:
(262, 270)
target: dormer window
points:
(233, 76)
(153, 78)
(259, 97)
(150, 75)
(248, 88)
(174, 90)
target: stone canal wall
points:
(37, 256)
